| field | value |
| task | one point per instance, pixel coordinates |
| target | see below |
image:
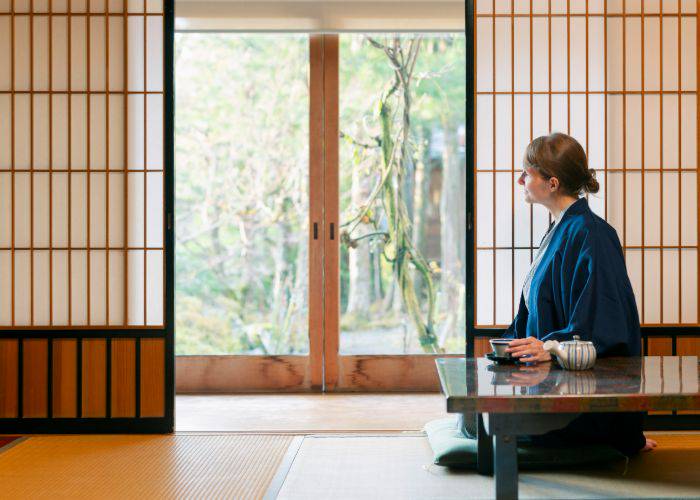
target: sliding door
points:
(86, 333)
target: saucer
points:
(501, 359)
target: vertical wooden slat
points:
(512, 161)
(107, 163)
(145, 166)
(94, 378)
(51, 252)
(316, 200)
(331, 190)
(125, 88)
(31, 162)
(697, 160)
(123, 393)
(493, 136)
(680, 165)
(34, 378)
(624, 128)
(12, 154)
(70, 167)
(605, 106)
(152, 387)
(643, 165)
(8, 378)
(88, 175)
(661, 159)
(65, 377)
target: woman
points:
(577, 284)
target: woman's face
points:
(537, 188)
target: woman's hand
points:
(529, 375)
(531, 347)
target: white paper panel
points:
(540, 223)
(504, 223)
(670, 286)
(596, 54)
(78, 207)
(135, 277)
(689, 63)
(670, 132)
(521, 73)
(60, 287)
(502, 6)
(504, 133)
(5, 53)
(560, 121)
(79, 291)
(503, 55)
(521, 130)
(22, 131)
(22, 288)
(577, 104)
(689, 134)
(41, 131)
(633, 130)
(59, 5)
(670, 208)
(135, 6)
(670, 53)
(615, 131)
(59, 52)
(559, 55)
(116, 51)
(116, 132)
(98, 132)
(59, 210)
(116, 5)
(484, 63)
(98, 53)
(78, 5)
(689, 286)
(522, 215)
(154, 283)
(79, 131)
(652, 133)
(135, 56)
(652, 290)
(633, 260)
(98, 210)
(41, 210)
(5, 132)
(688, 6)
(578, 53)
(154, 223)
(98, 287)
(540, 46)
(135, 139)
(633, 53)
(22, 210)
(484, 6)
(652, 53)
(40, 51)
(42, 300)
(596, 131)
(615, 203)
(155, 132)
(5, 209)
(540, 116)
(154, 53)
(116, 287)
(135, 210)
(652, 209)
(116, 209)
(484, 209)
(689, 203)
(504, 287)
(484, 287)
(97, 5)
(484, 132)
(522, 267)
(22, 53)
(614, 54)
(155, 6)
(634, 207)
(59, 131)
(5, 287)
(78, 43)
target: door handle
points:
(332, 231)
(315, 230)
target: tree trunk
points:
(360, 264)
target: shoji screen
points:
(82, 208)
(620, 77)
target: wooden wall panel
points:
(481, 346)
(152, 378)
(660, 346)
(65, 378)
(123, 378)
(94, 378)
(8, 378)
(35, 378)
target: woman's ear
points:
(553, 184)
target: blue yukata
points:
(580, 287)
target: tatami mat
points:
(144, 467)
(389, 467)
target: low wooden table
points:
(514, 400)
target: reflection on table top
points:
(613, 384)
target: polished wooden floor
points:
(307, 413)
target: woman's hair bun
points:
(591, 185)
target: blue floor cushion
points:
(452, 449)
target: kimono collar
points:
(578, 207)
